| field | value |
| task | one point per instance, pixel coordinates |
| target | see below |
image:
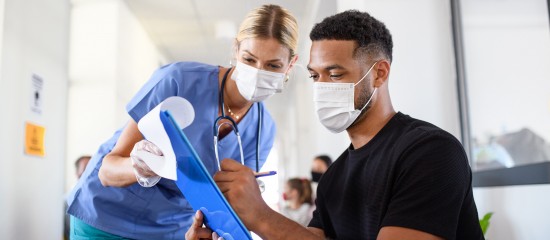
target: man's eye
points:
(335, 75)
(313, 76)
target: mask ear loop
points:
(372, 95)
(373, 92)
(365, 74)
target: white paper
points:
(153, 130)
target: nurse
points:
(110, 203)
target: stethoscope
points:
(233, 125)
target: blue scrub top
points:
(162, 212)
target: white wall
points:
(3, 185)
(1, 30)
(520, 212)
(34, 41)
(111, 58)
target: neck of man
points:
(374, 120)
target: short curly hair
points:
(371, 35)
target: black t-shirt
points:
(412, 174)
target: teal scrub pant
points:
(82, 231)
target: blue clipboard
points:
(199, 188)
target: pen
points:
(263, 174)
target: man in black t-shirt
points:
(401, 178)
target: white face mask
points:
(334, 103)
(255, 84)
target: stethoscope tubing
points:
(233, 124)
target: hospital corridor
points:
(257, 119)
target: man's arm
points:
(196, 231)
(277, 226)
(391, 233)
(239, 186)
(317, 231)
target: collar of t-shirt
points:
(375, 142)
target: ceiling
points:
(186, 29)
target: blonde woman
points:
(119, 197)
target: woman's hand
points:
(145, 149)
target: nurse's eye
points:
(249, 60)
(275, 66)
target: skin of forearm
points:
(116, 171)
(276, 226)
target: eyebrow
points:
(272, 60)
(328, 68)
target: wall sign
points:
(34, 139)
(36, 94)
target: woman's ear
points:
(234, 52)
(291, 64)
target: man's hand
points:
(196, 231)
(239, 186)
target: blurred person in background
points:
(80, 165)
(298, 200)
(319, 166)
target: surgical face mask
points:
(334, 103)
(255, 84)
(315, 176)
(285, 197)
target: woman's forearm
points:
(116, 171)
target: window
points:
(506, 81)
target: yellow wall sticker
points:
(34, 139)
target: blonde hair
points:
(270, 21)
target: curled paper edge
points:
(152, 129)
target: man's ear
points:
(382, 72)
